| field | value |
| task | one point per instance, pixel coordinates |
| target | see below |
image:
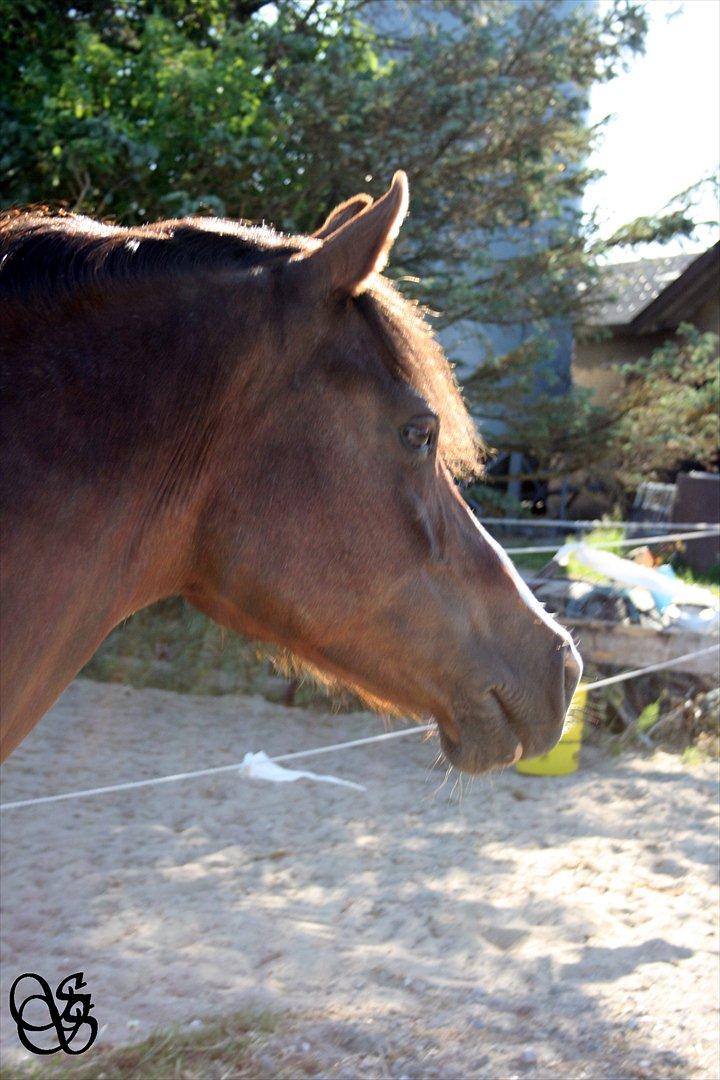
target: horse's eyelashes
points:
(420, 434)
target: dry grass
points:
(218, 1050)
(170, 646)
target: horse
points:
(262, 424)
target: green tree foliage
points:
(137, 110)
(668, 413)
(666, 417)
(677, 218)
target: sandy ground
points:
(524, 927)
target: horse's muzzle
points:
(495, 733)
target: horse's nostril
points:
(572, 673)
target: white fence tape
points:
(637, 541)
(316, 751)
(597, 523)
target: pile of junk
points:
(640, 590)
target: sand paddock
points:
(526, 927)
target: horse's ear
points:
(341, 215)
(357, 249)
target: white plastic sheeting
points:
(259, 767)
(688, 607)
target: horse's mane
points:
(47, 256)
(44, 255)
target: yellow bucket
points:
(563, 758)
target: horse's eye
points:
(419, 434)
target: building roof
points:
(654, 294)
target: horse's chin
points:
(489, 736)
(475, 755)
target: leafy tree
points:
(138, 109)
(669, 412)
(664, 419)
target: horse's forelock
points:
(416, 357)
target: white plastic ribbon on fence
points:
(260, 767)
(416, 729)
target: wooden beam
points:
(629, 646)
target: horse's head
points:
(334, 527)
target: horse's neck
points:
(67, 581)
(102, 530)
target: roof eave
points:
(682, 297)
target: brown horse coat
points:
(261, 424)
